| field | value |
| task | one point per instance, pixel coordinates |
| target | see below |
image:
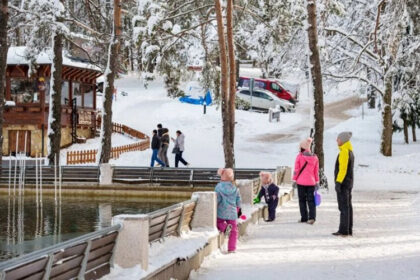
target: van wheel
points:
(282, 109)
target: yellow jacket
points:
(343, 161)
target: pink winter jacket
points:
(309, 176)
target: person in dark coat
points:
(155, 145)
(344, 168)
(271, 195)
(159, 130)
(164, 145)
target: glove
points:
(337, 187)
(257, 200)
(239, 212)
(317, 186)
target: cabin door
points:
(20, 134)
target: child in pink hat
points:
(228, 202)
(270, 191)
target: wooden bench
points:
(171, 220)
(88, 256)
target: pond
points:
(24, 227)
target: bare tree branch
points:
(347, 77)
(353, 41)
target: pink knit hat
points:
(266, 178)
(306, 143)
(226, 174)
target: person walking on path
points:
(306, 176)
(228, 202)
(270, 191)
(159, 135)
(155, 148)
(179, 148)
(164, 145)
(343, 173)
(159, 130)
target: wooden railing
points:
(86, 257)
(89, 156)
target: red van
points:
(270, 85)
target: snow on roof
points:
(19, 56)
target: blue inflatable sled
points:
(206, 100)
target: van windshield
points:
(276, 87)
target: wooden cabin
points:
(27, 102)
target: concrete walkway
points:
(385, 245)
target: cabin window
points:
(24, 91)
(65, 93)
(88, 96)
(77, 93)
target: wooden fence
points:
(89, 156)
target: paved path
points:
(385, 245)
(334, 113)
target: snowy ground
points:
(385, 244)
(386, 241)
(260, 144)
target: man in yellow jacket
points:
(343, 172)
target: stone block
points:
(205, 213)
(132, 247)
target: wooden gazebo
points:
(27, 102)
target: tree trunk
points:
(227, 147)
(413, 130)
(386, 141)
(3, 62)
(406, 131)
(317, 83)
(232, 79)
(110, 73)
(54, 115)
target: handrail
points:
(36, 255)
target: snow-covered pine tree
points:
(266, 31)
(368, 36)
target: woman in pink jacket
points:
(307, 179)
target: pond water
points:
(24, 227)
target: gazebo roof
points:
(19, 56)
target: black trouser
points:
(306, 200)
(346, 209)
(272, 205)
(178, 158)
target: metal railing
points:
(79, 259)
(191, 176)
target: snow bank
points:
(163, 253)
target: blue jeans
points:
(155, 158)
